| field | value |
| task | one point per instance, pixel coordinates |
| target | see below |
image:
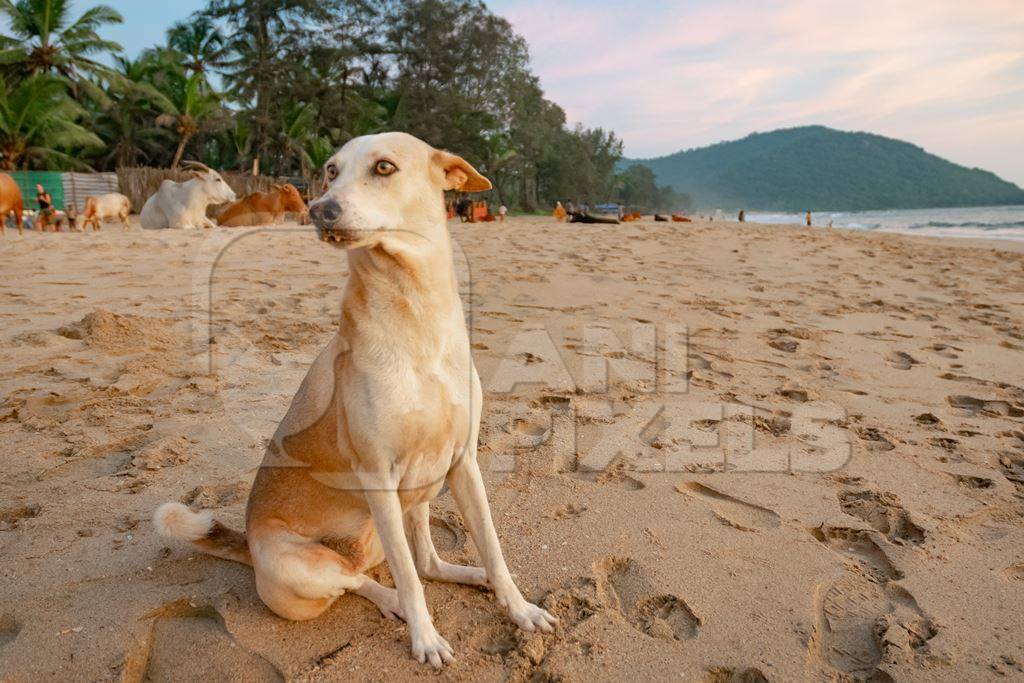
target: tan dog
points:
(388, 412)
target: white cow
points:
(183, 205)
(104, 206)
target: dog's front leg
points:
(427, 643)
(467, 486)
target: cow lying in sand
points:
(389, 411)
(262, 208)
(183, 205)
(99, 209)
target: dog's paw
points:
(429, 646)
(529, 617)
(390, 607)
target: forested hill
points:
(818, 168)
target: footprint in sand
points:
(1015, 572)
(10, 517)
(216, 495)
(727, 674)
(795, 394)
(943, 350)
(615, 475)
(568, 511)
(624, 586)
(736, 513)
(901, 360)
(877, 441)
(863, 614)
(194, 639)
(858, 545)
(991, 407)
(883, 512)
(9, 629)
(927, 419)
(971, 481)
(1012, 467)
(786, 345)
(447, 532)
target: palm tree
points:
(190, 105)
(296, 129)
(195, 107)
(38, 124)
(241, 141)
(202, 44)
(45, 40)
(318, 150)
(127, 118)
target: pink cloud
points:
(668, 76)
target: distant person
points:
(71, 214)
(742, 216)
(808, 219)
(830, 222)
(559, 213)
(464, 208)
(45, 202)
(502, 212)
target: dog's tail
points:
(174, 520)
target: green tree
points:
(202, 44)
(297, 129)
(38, 125)
(45, 40)
(195, 109)
(126, 116)
(189, 106)
(265, 53)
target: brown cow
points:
(10, 201)
(630, 217)
(260, 208)
(676, 218)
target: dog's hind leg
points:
(298, 578)
(429, 565)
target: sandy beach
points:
(806, 461)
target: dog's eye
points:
(384, 167)
(332, 172)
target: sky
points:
(947, 75)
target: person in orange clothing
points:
(559, 213)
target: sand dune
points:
(806, 462)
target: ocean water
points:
(987, 222)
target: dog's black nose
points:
(325, 212)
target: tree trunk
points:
(261, 120)
(178, 153)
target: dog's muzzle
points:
(325, 214)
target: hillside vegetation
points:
(816, 168)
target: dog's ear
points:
(459, 174)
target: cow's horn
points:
(196, 164)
